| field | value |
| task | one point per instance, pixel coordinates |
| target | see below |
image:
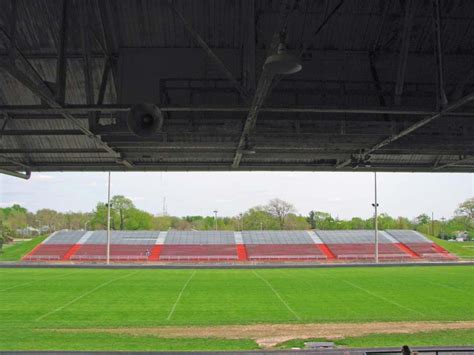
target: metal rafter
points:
(441, 99)
(249, 45)
(86, 59)
(26, 175)
(264, 84)
(200, 41)
(110, 44)
(111, 108)
(469, 159)
(40, 89)
(61, 67)
(465, 100)
(458, 90)
(2, 133)
(404, 47)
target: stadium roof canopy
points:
(385, 85)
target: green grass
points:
(18, 250)
(30, 339)
(437, 338)
(463, 250)
(38, 300)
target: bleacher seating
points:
(55, 247)
(213, 246)
(281, 245)
(199, 246)
(360, 245)
(420, 245)
(124, 246)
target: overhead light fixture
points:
(282, 62)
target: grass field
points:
(16, 251)
(63, 308)
(463, 250)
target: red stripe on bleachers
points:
(242, 252)
(48, 252)
(440, 249)
(406, 249)
(324, 248)
(155, 253)
(430, 251)
(27, 256)
(71, 252)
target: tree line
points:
(275, 215)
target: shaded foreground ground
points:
(90, 309)
(269, 335)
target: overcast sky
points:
(342, 194)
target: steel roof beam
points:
(469, 159)
(26, 175)
(112, 108)
(249, 45)
(264, 84)
(441, 98)
(110, 41)
(86, 59)
(465, 100)
(40, 89)
(224, 166)
(458, 90)
(61, 66)
(404, 47)
(200, 41)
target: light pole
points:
(432, 224)
(442, 227)
(215, 218)
(85, 225)
(376, 225)
(108, 222)
(241, 221)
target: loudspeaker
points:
(144, 120)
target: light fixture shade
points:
(282, 63)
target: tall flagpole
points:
(376, 222)
(108, 223)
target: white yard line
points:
(448, 287)
(277, 294)
(83, 295)
(180, 294)
(34, 281)
(383, 298)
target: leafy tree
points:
(311, 219)
(280, 210)
(138, 220)
(465, 211)
(257, 218)
(122, 206)
(99, 219)
(422, 219)
(294, 221)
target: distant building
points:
(28, 231)
(462, 236)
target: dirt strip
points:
(268, 335)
